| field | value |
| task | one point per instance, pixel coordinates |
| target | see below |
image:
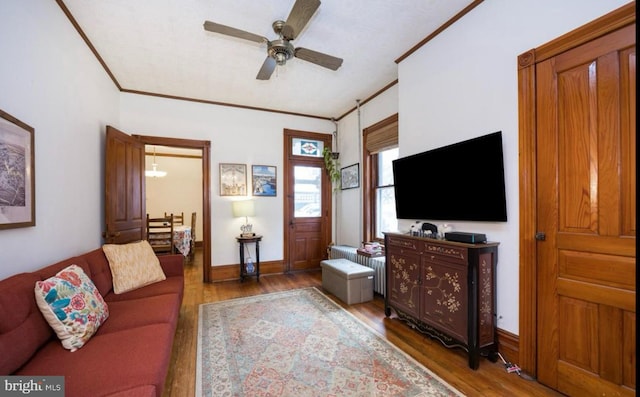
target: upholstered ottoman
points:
(349, 281)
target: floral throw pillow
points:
(72, 306)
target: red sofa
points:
(128, 356)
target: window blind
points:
(382, 135)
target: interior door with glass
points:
(308, 209)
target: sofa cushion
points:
(23, 330)
(100, 271)
(95, 265)
(111, 363)
(72, 306)
(137, 391)
(139, 312)
(172, 285)
(133, 265)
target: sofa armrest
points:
(172, 265)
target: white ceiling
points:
(160, 47)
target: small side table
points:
(242, 241)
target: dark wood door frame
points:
(288, 160)
(205, 146)
(527, 116)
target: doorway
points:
(205, 148)
(307, 202)
(173, 184)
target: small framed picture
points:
(233, 179)
(350, 177)
(17, 174)
(263, 180)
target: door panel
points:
(308, 250)
(124, 188)
(586, 207)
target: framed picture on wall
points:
(350, 176)
(17, 174)
(233, 179)
(263, 180)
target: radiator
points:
(377, 264)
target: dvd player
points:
(464, 237)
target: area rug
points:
(301, 343)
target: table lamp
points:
(244, 208)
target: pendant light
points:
(154, 173)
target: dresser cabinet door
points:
(403, 278)
(444, 297)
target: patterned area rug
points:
(300, 343)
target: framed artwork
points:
(17, 174)
(350, 176)
(233, 179)
(263, 180)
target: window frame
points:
(380, 136)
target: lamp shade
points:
(242, 208)
(154, 172)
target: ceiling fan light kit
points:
(280, 50)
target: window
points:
(385, 203)
(306, 191)
(379, 208)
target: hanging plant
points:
(331, 164)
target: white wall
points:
(51, 81)
(463, 84)
(348, 228)
(237, 136)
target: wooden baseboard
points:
(232, 272)
(508, 346)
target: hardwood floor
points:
(491, 379)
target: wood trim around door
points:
(527, 116)
(205, 146)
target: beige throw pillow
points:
(133, 265)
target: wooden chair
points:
(192, 250)
(160, 234)
(178, 219)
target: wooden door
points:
(307, 213)
(124, 188)
(586, 217)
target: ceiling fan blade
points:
(318, 58)
(267, 69)
(298, 18)
(229, 31)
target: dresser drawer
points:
(403, 243)
(446, 253)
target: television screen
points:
(459, 182)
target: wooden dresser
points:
(446, 290)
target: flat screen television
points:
(459, 182)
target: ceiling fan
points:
(280, 50)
